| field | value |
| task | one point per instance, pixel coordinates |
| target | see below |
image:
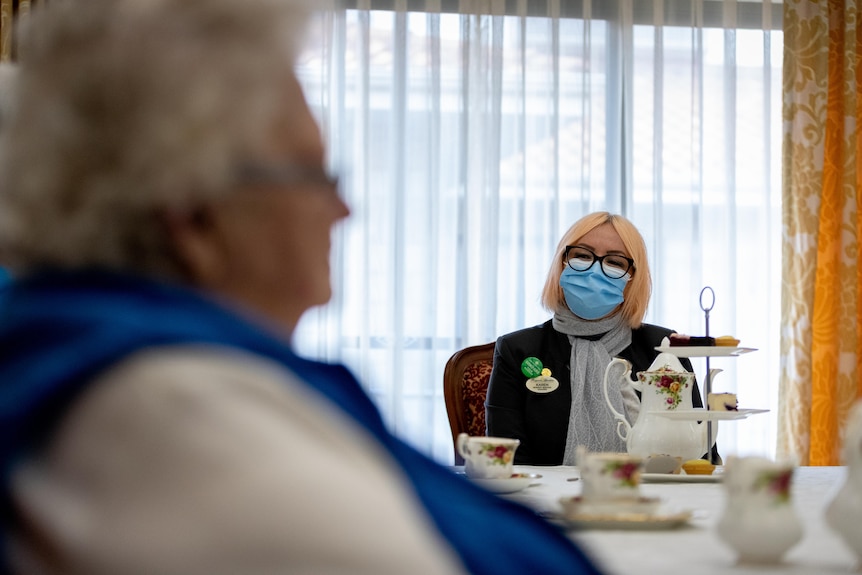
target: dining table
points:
(690, 546)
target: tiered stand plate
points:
(708, 352)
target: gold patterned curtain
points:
(821, 308)
(10, 9)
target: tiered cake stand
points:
(707, 295)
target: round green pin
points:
(532, 367)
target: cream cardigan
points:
(203, 460)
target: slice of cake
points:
(682, 340)
(722, 402)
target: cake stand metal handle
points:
(707, 302)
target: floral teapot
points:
(665, 387)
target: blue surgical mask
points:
(591, 294)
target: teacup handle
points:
(461, 445)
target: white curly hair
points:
(128, 108)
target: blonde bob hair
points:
(637, 291)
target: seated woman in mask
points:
(598, 288)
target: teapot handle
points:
(622, 422)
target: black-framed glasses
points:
(288, 174)
(581, 259)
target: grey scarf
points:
(591, 423)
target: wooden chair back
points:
(465, 385)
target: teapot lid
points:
(667, 361)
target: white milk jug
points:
(759, 520)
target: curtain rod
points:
(749, 15)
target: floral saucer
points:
(577, 506)
(516, 482)
(625, 521)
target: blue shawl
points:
(58, 330)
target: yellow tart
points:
(698, 467)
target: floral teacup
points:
(487, 457)
(610, 475)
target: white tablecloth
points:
(695, 548)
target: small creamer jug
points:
(844, 512)
(759, 521)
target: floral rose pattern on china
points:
(626, 472)
(668, 382)
(776, 483)
(498, 454)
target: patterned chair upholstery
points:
(465, 384)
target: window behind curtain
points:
(468, 142)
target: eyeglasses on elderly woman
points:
(288, 174)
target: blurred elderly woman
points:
(597, 288)
(165, 201)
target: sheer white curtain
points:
(470, 134)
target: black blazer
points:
(541, 420)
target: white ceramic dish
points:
(631, 521)
(662, 464)
(577, 506)
(516, 482)
(682, 477)
(700, 414)
(705, 351)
